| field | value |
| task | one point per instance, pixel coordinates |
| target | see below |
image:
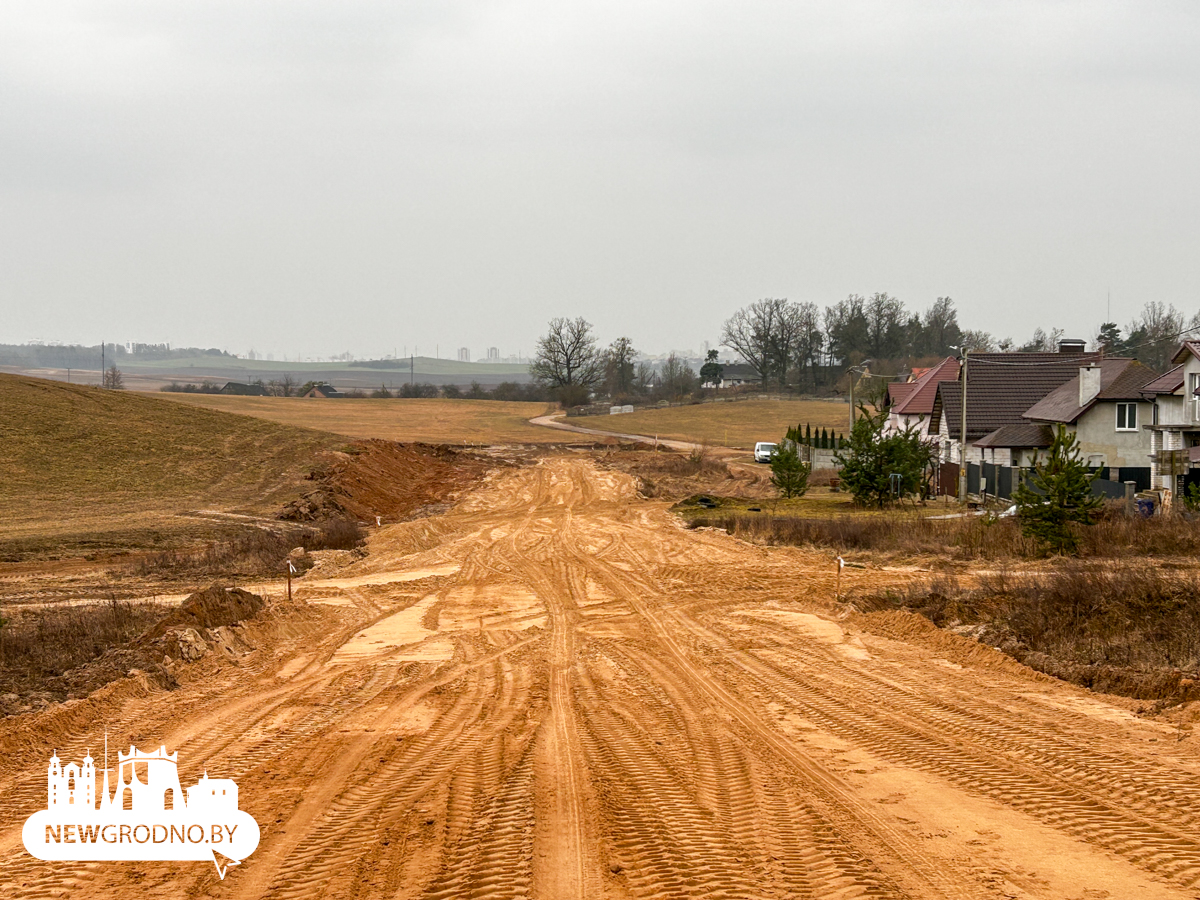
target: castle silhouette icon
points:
(146, 817)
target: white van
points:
(763, 451)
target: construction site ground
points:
(553, 689)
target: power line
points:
(1060, 356)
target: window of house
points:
(1126, 417)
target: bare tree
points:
(885, 326)
(644, 379)
(113, 379)
(678, 378)
(809, 342)
(282, 387)
(765, 334)
(1157, 331)
(620, 370)
(1041, 342)
(847, 330)
(978, 341)
(567, 356)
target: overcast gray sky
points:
(313, 177)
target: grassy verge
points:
(918, 534)
(40, 645)
(1129, 630)
(737, 424)
(258, 552)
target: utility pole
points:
(962, 453)
(102, 364)
(412, 367)
(851, 412)
(862, 368)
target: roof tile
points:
(921, 399)
(1002, 386)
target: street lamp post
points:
(861, 367)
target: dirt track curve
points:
(555, 691)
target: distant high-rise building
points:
(493, 354)
(464, 354)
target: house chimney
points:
(1089, 384)
(1072, 345)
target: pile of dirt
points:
(672, 475)
(210, 608)
(387, 479)
(205, 622)
(913, 628)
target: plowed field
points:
(555, 691)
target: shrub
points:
(789, 473)
(1132, 630)
(1058, 496)
(879, 469)
(53, 639)
(507, 390)
(569, 395)
(973, 537)
(423, 390)
(257, 552)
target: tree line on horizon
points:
(796, 346)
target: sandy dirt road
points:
(555, 691)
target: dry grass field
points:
(434, 421)
(91, 469)
(739, 424)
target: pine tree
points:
(1057, 494)
(868, 460)
(789, 474)
(823, 445)
(808, 433)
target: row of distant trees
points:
(284, 386)
(800, 346)
(797, 344)
(287, 386)
(571, 366)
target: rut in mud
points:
(555, 691)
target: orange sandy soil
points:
(555, 691)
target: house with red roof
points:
(912, 402)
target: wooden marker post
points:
(837, 595)
(291, 570)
